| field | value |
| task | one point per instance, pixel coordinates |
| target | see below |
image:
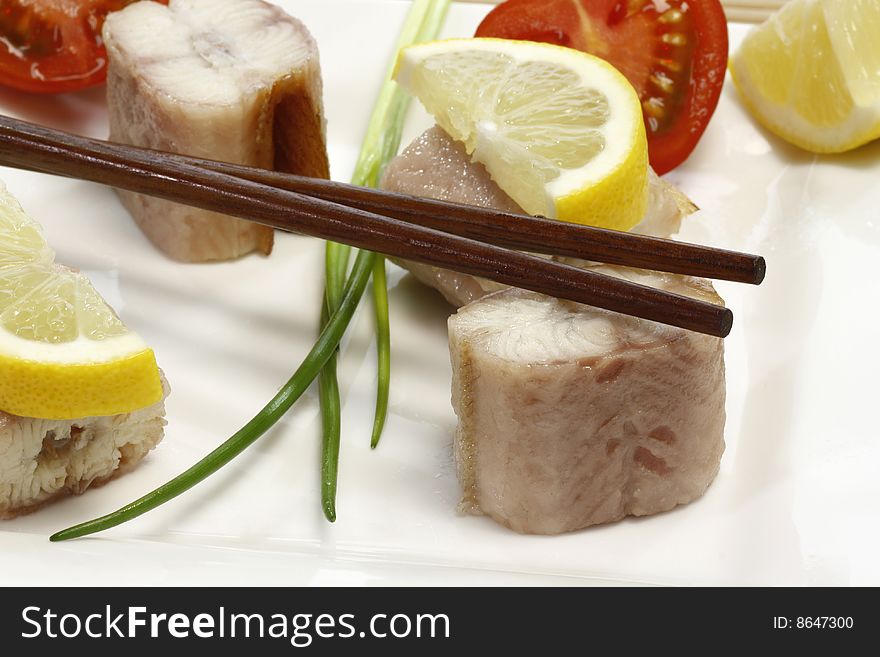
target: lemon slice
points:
(63, 351)
(811, 73)
(559, 130)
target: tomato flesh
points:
(50, 46)
(674, 52)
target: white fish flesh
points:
(571, 416)
(233, 81)
(44, 460)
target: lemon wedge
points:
(559, 130)
(811, 73)
(63, 351)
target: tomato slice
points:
(674, 52)
(50, 46)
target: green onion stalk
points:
(342, 297)
(321, 352)
(423, 23)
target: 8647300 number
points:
(813, 622)
(823, 622)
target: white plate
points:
(795, 501)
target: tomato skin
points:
(674, 52)
(53, 46)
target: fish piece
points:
(436, 166)
(233, 81)
(568, 415)
(571, 416)
(45, 460)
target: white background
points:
(795, 501)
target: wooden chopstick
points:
(29, 146)
(742, 11)
(750, 11)
(525, 233)
(514, 231)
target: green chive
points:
(381, 143)
(328, 392)
(388, 144)
(383, 348)
(321, 352)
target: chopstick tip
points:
(725, 323)
(759, 270)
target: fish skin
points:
(42, 461)
(245, 100)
